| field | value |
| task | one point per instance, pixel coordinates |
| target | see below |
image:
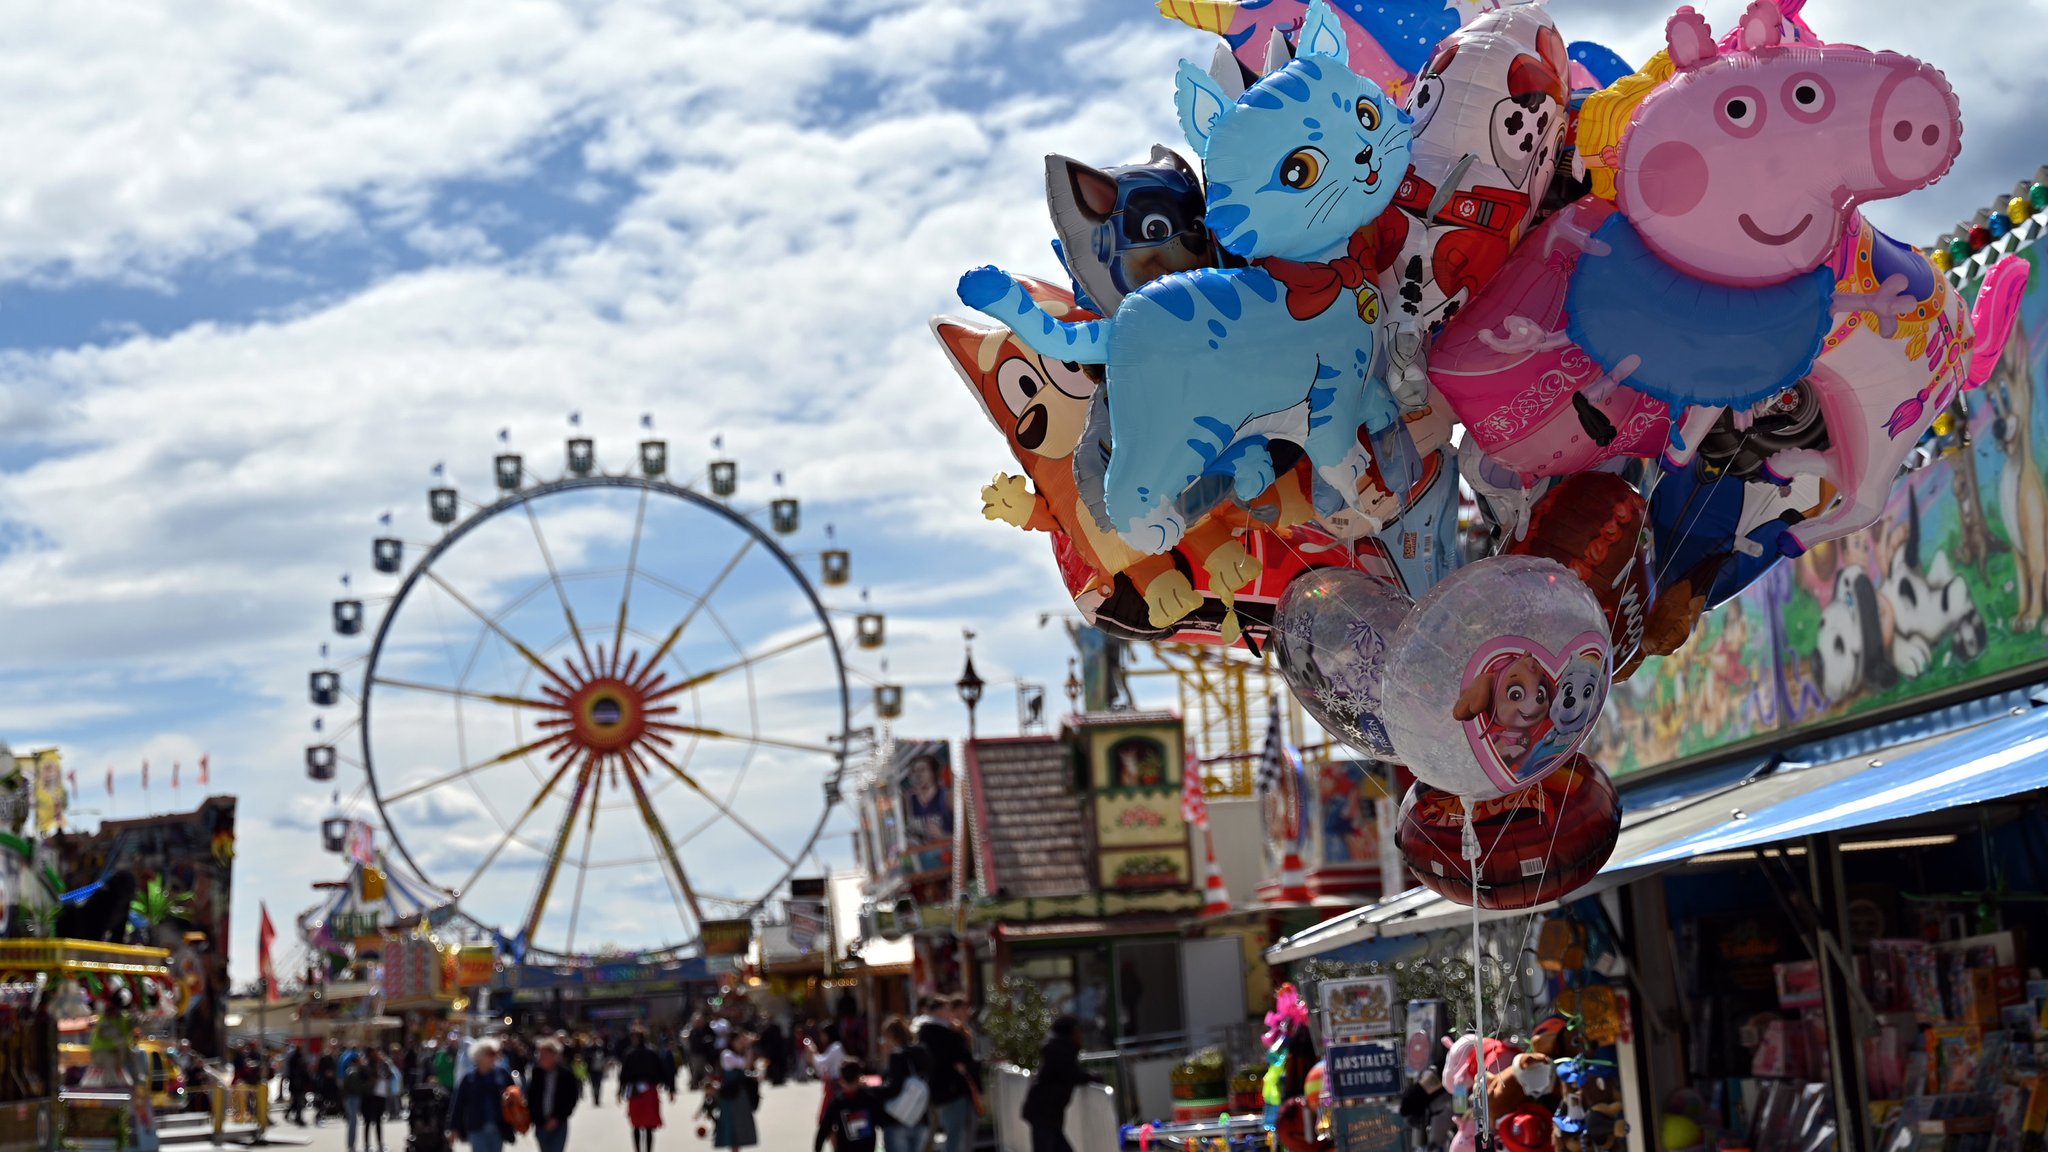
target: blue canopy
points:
(2003, 758)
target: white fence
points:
(1091, 1119)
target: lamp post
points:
(970, 686)
(1074, 687)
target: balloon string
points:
(1702, 499)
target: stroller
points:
(426, 1114)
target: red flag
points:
(174, 775)
(1194, 801)
(203, 773)
(73, 774)
(265, 936)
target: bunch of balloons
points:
(1637, 314)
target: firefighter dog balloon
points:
(1489, 123)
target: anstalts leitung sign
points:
(1363, 1070)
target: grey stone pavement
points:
(786, 1121)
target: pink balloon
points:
(1513, 377)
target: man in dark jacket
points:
(1052, 1086)
(476, 1112)
(955, 1072)
(552, 1091)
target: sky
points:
(263, 267)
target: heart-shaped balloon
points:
(1497, 676)
(1332, 632)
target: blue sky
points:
(261, 269)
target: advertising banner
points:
(476, 966)
(1948, 589)
(1363, 1070)
(922, 778)
(1358, 1008)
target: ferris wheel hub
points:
(607, 715)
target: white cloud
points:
(800, 188)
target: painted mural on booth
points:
(1950, 587)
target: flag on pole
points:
(110, 779)
(1273, 757)
(73, 777)
(266, 935)
(1194, 803)
(174, 775)
(145, 775)
(205, 771)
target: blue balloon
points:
(1602, 61)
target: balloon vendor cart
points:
(61, 996)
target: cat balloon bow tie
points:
(1313, 285)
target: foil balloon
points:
(1331, 634)
(1490, 118)
(1121, 227)
(1388, 41)
(1538, 844)
(1497, 676)
(1206, 369)
(1595, 524)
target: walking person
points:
(297, 1080)
(643, 1075)
(734, 1099)
(906, 1089)
(355, 1084)
(598, 1057)
(849, 1121)
(377, 1099)
(1052, 1086)
(955, 1072)
(476, 1112)
(824, 1065)
(552, 1091)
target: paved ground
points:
(787, 1119)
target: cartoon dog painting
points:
(2022, 495)
(1879, 629)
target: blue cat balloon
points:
(1205, 368)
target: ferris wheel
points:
(601, 708)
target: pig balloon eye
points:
(1740, 112)
(1809, 98)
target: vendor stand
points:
(95, 993)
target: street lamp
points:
(1074, 687)
(970, 685)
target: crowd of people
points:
(913, 1086)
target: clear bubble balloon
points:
(1333, 630)
(1497, 676)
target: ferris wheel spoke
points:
(583, 868)
(465, 693)
(659, 831)
(555, 578)
(746, 661)
(676, 633)
(462, 773)
(739, 737)
(531, 656)
(722, 806)
(593, 765)
(632, 568)
(539, 798)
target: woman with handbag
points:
(906, 1090)
(476, 1113)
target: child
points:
(851, 1114)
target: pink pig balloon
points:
(1744, 168)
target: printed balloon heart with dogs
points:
(1596, 524)
(1497, 676)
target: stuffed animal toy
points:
(1590, 1119)
(1514, 1101)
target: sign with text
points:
(1364, 1070)
(1359, 1007)
(1372, 1128)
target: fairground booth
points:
(1825, 921)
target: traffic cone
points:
(1215, 896)
(1293, 880)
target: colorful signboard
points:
(1363, 1070)
(1134, 777)
(1369, 1128)
(1948, 589)
(476, 966)
(922, 780)
(51, 799)
(1359, 1007)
